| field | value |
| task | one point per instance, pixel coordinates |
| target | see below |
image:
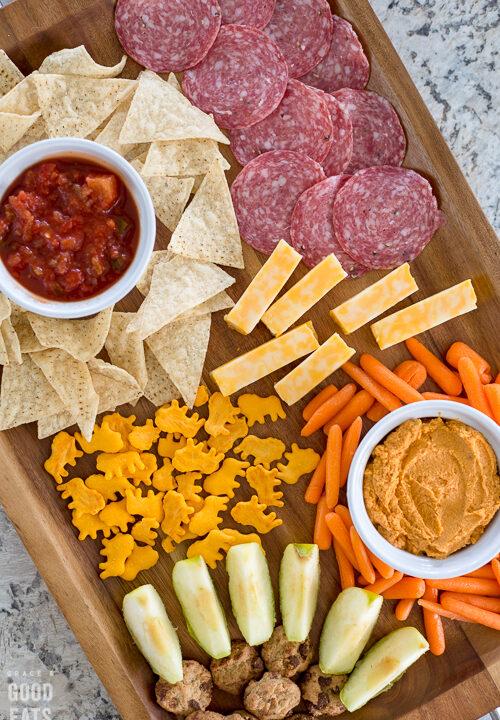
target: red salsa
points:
(68, 229)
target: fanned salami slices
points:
(345, 64)
(301, 122)
(385, 216)
(312, 233)
(340, 153)
(241, 80)
(265, 192)
(302, 29)
(379, 138)
(256, 13)
(167, 36)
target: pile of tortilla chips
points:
(57, 372)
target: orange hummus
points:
(432, 486)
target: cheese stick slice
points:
(264, 288)
(426, 314)
(375, 300)
(265, 359)
(314, 369)
(303, 295)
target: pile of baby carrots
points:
(464, 377)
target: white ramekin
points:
(463, 561)
(15, 165)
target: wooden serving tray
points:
(465, 682)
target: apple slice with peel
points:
(251, 592)
(152, 632)
(201, 606)
(299, 586)
(347, 629)
(382, 666)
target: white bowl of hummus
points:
(424, 490)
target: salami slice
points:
(302, 29)
(379, 138)
(385, 216)
(345, 64)
(311, 231)
(241, 80)
(167, 36)
(265, 192)
(340, 153)
(256, 13)
(301, 122)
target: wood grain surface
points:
(465, 682)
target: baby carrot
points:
(358, 405)
(317, 483)
(350, 443)
(322, 535)
(345, 515)
(449, 383)
(479, 615)
(497, 379)
(362, 581)
(473, 387)
(361, 555)
(381, 374)
(403, 609)
(440, 396)
(485, 572)
(459, 350)
(406, 589)
(376, 412)
(380, 586)
(487, 603)
(328, 409)
(346, 570)
(495, 566)
(435, 607)
(341, 535)
(386, 398)
(432, 623)
(492, 392)
(332, 467)
(474, 586)
(318, 400)
(385, 570)
(411, 372)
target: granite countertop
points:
(451, 51)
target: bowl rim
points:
(38, 151)
(458, 563)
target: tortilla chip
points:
(180, 348)
(197, 183)
(82, 338)
(181, 158)
(208, 229)
(114, 385)
(10, 75)
(177, 286)
(159, 389)
(160, 112)
(172, 79)
(5, 307)
(26, 395)
(71, 380)
(75, 106)
(221, 301)
(55, 423)
(126, 350)
(169, 195)
(13, 127)
(22, 99)
(28, 341)
(10, 342)
(110, 133)
(158, 256)
(77, 61)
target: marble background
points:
(450, 48)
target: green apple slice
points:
(152, 632)
(251, 592)
(382, 665)
(347, 629)
(299, 586)
(201, 606)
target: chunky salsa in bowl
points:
(76, 228)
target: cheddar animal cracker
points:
(253, 513)
(256, 408)
(63, 453)
(174, 419)
(264, 450)
(223, 481)
(301, 461)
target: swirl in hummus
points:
(432, 486)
